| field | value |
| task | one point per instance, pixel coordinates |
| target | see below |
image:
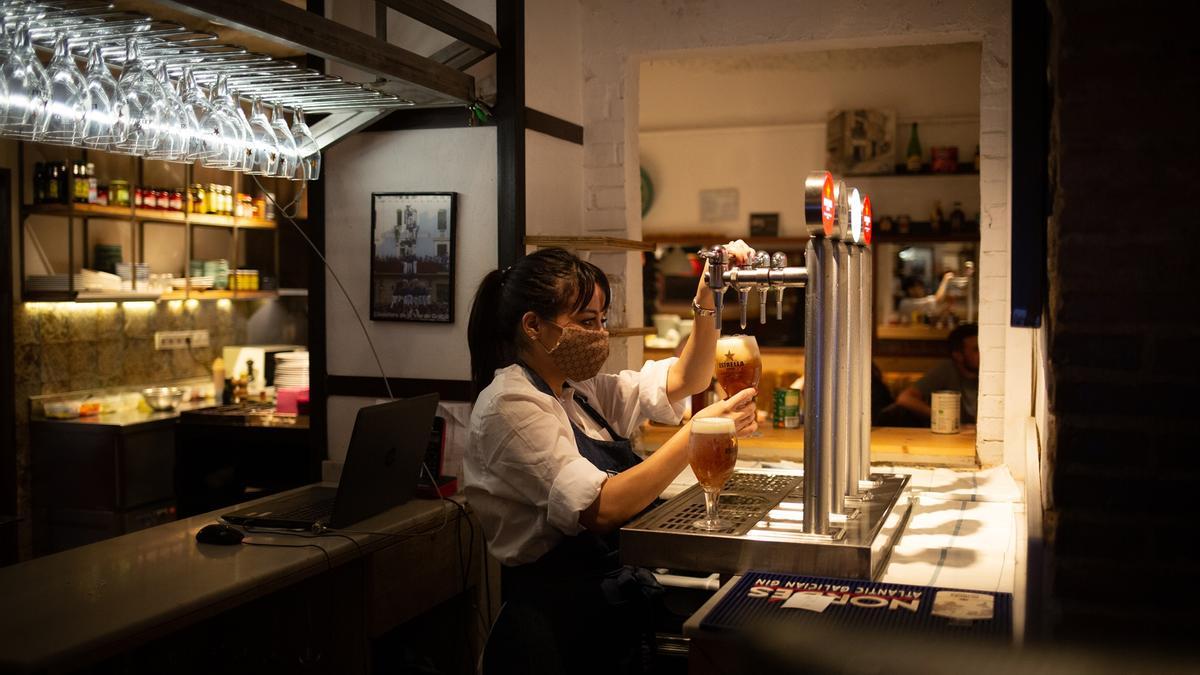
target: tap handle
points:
(743, 300)
(761, 259)
(779, 260)
(779, 303)
(762, 303)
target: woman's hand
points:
(740, 253)
(740, 408)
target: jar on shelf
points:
(197, 205)
(118, 192)
(176, 201)
(212, 199)
(144, 198)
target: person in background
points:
(958, 373)
(917, 300)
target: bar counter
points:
(889, 445)
(82, 606)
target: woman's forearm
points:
(625, 494)
(693, 372)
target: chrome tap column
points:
(819, 364)
(842, 301)
(866, 294)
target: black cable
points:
(349, 302)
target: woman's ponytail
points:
(483, 332)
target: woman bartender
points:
(549, 468)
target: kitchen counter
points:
(890, 445)
(74, 608)
(127, 418)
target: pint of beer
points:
(739, 365)
(712, 452)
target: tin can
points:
(944, 410)
(786, 410)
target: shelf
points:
(88, 296)
(589, 243)
(146, 215)
(80, 211)
(638, 331)
(919, 231)
(218, 295)
(901, 172)
(701, 239)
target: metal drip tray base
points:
(765, 511)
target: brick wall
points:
(1123, 364)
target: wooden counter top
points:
(68, 609)
(889, 445)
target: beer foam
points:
(715, 426)
(737, 348)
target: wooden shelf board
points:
(211, 220)
(156, 216)
(638, 331)
(255, 223)
(81, 211)
(590, 243)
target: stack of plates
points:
(291, 370)
(86, 280)
(198, 283)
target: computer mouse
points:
(220, 534)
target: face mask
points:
(580, 353)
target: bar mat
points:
(767, 597)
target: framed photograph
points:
(861, 142)
(412, 256)
(764, 224)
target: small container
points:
(102, 195)
(786, 411)
(212, 199)
(176, 203)
(260, 207)
(118, 193)
(944, 416)
(163, 197)
(198, 197)
(139, 197)
(145, 198)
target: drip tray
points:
(765, 512)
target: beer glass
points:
(738, 365)
(712, 452)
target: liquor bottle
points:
(957, 218)
(913, 156)
(81, 183)
(936, 217)
(39, 183)
(92, 184)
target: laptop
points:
(381, 469)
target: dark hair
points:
(547, 283)
(960, 334)
(910, 281)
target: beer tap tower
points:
(838, 518)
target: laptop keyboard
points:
(313, 511)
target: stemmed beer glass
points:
(712, 452)
(738, 364)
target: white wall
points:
(622, 33)
(754, 119)
(443, 160)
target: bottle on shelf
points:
(80, 184)
(39, 183)
(139, 197)
(957, 218)
(936, 217)
(92, 184)
(913, 154)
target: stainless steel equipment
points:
(766, 509)
(832, 518)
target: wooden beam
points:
(459, 55)
(536, 120)
(450, 20)
(293, 26)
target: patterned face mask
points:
(580, 353)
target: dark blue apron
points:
(597, 611)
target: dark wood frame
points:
(8, 376)
(453, 199)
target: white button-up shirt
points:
(523, 473)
